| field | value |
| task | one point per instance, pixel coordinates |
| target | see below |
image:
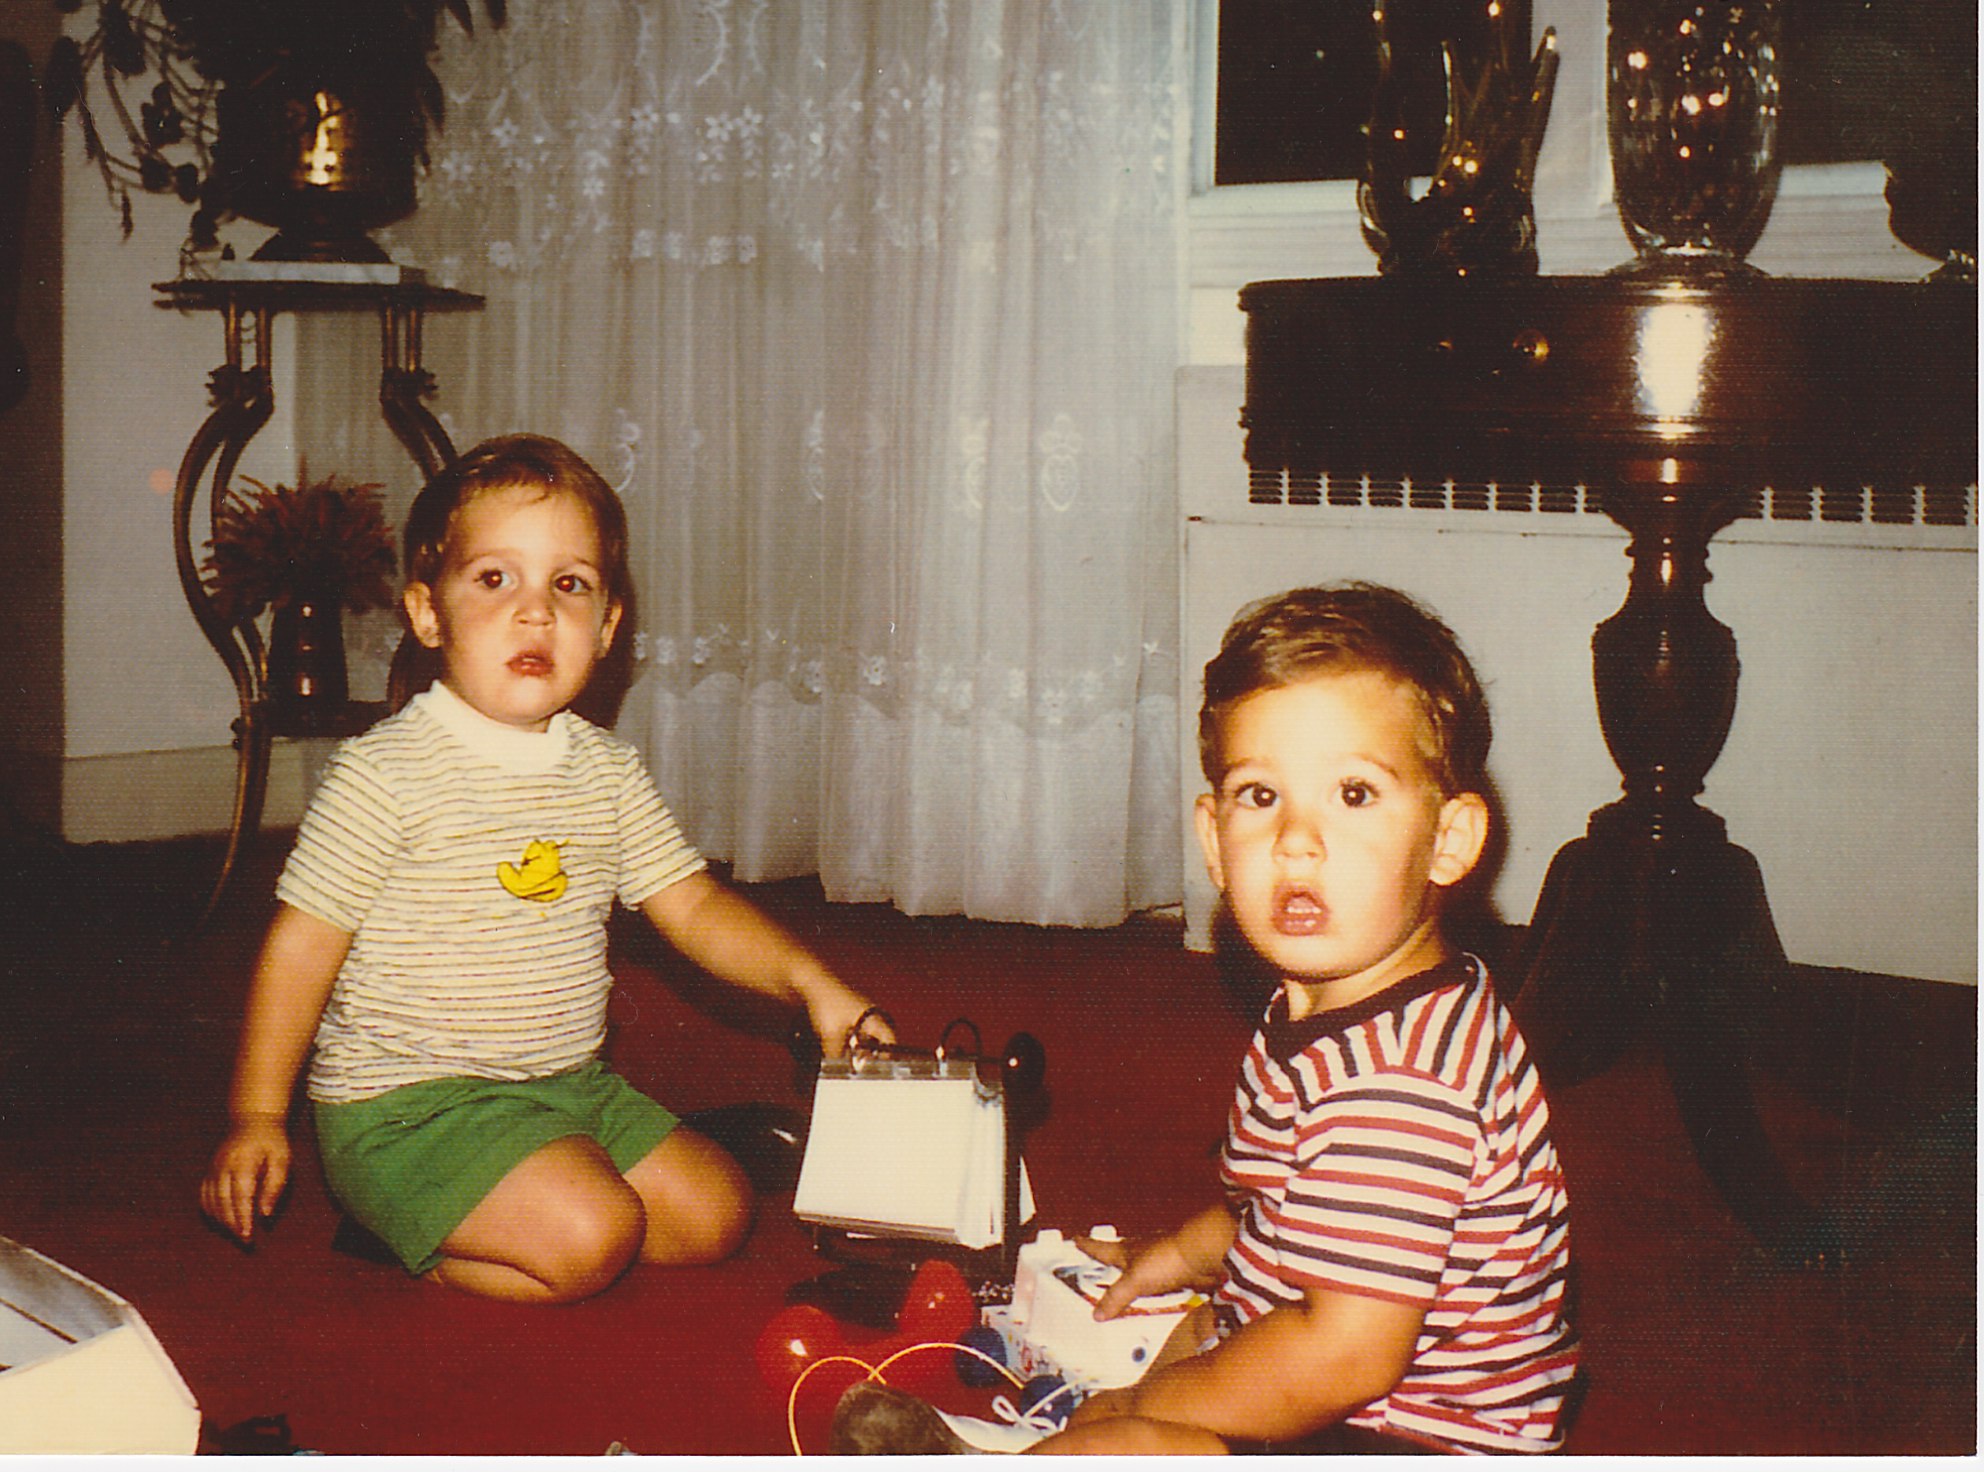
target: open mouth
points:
(1300, 912)
(531, 664)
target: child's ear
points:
(418, 601)
(1205, 820)
(1462, 834)
(610, 627)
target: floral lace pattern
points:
(868, 310)
(691, 102)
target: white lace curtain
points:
(869, 309)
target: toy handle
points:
(944, 1038)
(857, 1040)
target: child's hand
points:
(836, 1010)
(1155, 1266)
(1193, 1256)
(247, 1176)
(1112, 1250)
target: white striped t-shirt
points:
(475, 867)
(1399, 1148)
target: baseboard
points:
(138, 797)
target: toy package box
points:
(80, 1370)
(1050, 1327)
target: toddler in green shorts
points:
(439, 953)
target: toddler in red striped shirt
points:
(1388, 1265)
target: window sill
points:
(1829, 220)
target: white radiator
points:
(1851, 769)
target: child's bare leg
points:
(1193, 1334)
(698, 1200)
(562, 1225)
(1124, 1436)
(1134, 1435)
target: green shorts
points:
(410, 1164)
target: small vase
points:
(307, 687)
(1692, 99)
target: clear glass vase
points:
(1692, 102)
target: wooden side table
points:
(1681, 404)
(243, 397)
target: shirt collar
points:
(1284, 1039)
(508, 747)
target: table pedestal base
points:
(1669, 938)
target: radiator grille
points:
(1885, 505)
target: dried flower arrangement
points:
(276, 545)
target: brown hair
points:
(1295, 635)
(510, 462)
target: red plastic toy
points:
(938, 1309)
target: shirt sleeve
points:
(1385, 1172)
(344, 846)
(653, 852)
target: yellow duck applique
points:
(540, 877)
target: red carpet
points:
(114, 1051)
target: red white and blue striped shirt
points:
(1400, 1148)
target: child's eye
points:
(573, 582)
(1358, 794)
(1254, 795)
(492, 577)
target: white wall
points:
(138, 679)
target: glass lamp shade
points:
(1692, 104)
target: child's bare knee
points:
(592, 1247)
(732, 1223)
(719, 1227)
(699, 1201)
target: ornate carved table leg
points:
(1654, 925)
(405, 387)
(242, 400)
